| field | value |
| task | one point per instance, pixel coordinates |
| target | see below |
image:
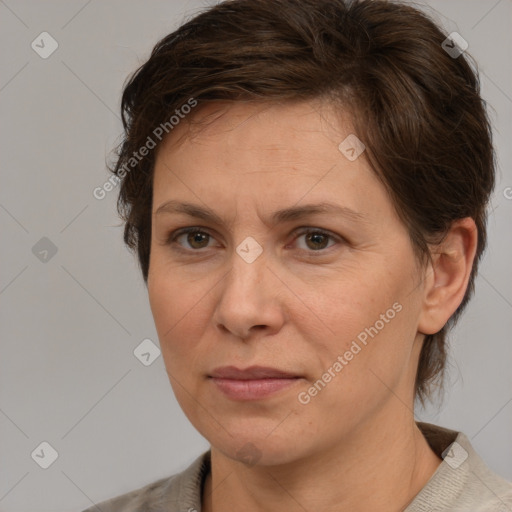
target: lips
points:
(253, 383)
(251, 373)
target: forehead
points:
(251, 122)
(246, 158)
(248, 145)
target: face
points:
(330, 298)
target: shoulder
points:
(178, 492)
(463, 481)
(139, 499)
(485, 487)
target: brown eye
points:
(195, 238)
(315, 240)
(199, 238)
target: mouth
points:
(253, 383)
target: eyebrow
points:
(279, 216)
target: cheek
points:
(369, 328)
(354, 379)
(175, 307)
(182, 310)
(176, 323)
(170, 296)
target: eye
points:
(195, 237)
(316, 239)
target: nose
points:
(249, 300)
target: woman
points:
(305, 183)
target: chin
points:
(257, 448)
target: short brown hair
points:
(417, 109)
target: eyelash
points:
(171, 239)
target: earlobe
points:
(449, 272)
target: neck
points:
(379, 467)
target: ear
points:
(446, 279)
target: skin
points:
(297, 307)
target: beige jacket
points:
(461, 483)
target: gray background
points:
(69, 326)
